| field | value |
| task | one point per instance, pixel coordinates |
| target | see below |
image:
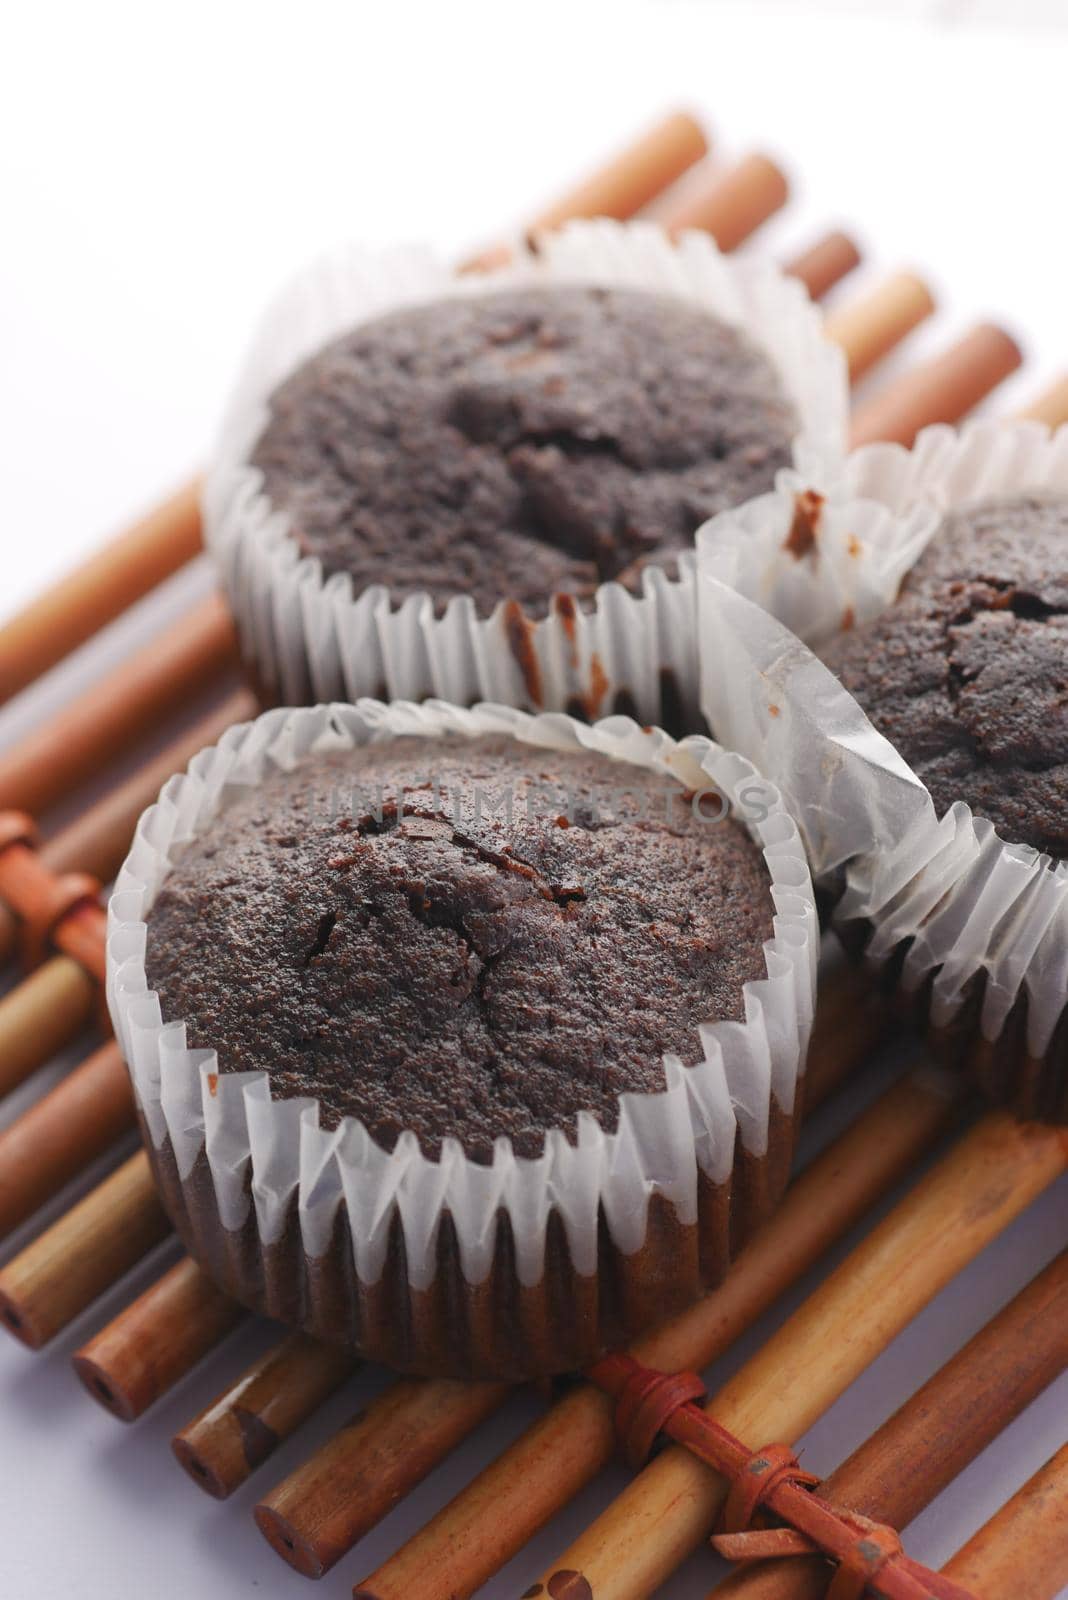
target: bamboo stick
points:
(943, 389)
(1026, 1542)
(62, 1133)
(1051, 406)
(41, 1016)
(97, 841)
(256, 1413)
(151, 1345)
(729, 205)
(56, 1277)
(124, 706)
(634, 177)
(873, 325)
(986, 1181)
(824, 263)
(319, 1512)
(62, 913)
(494, 1516)
(81, 934)
(931, 1439)
(99, 590)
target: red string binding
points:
(651, 1404)
(645, 1405)
(756, 1481)
(868, 1557)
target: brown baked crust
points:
(967, 674)
(412, 956)
(522, 443)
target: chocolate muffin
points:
(453, 1034)
(477, 940)
(967, 673)
(521, 443)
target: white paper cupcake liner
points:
(312, 638)
(964, 911)
(263, 1155)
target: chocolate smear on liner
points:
(802, 538)
(519, 631)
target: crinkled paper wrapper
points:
(446, 1266)
(310, 638)
(974, 928)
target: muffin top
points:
(374, 929)
(967, 674)
(521, 443)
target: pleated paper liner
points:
(971, 928)
(313, 638)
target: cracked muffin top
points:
(522, 443)
(967, 674)
(472, 938)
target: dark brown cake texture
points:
(522, 443)
(375, 931)
(967, 674)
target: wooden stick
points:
(921, 1449)
(729, 205)
(494, 1516)
(318, 1513)
(123, 707)
(824, 263)
(987, 1180)
(1051, 407)
(61, 1273)
(81, 934)
(99, 590)
(42, 1015)
(67, 916)
(634, 177)
(256, 1413)
(931, 1439)
(874, 324)
(97, 841)
(1023, 1549)
(62, 1133)
(151, 1345)
(942, 390)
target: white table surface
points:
(161, 171)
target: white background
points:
(160, 171)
